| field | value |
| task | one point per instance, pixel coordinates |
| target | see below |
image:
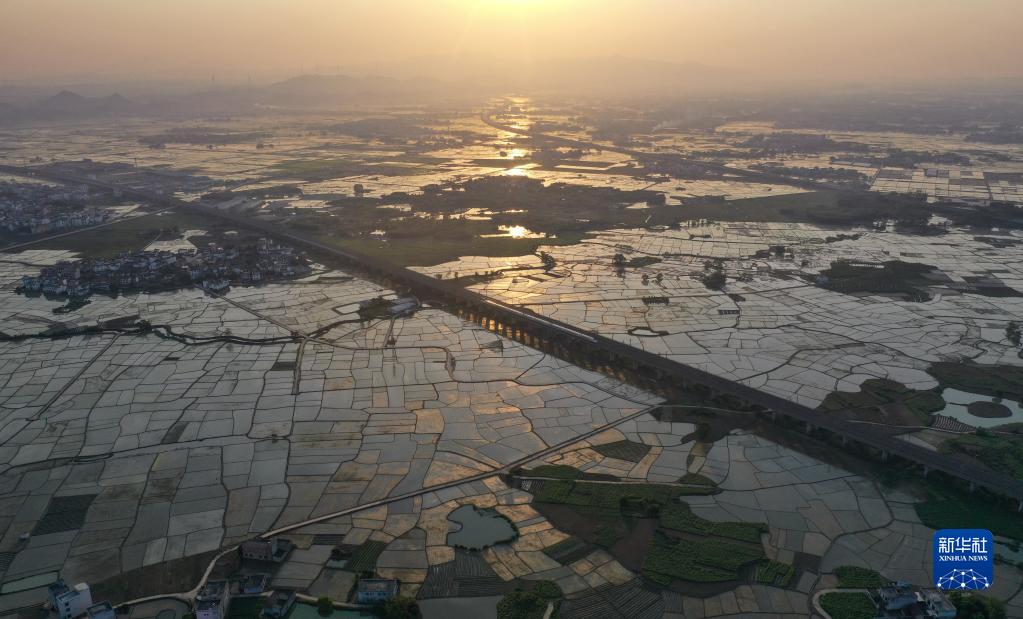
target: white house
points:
(70, 602)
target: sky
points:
(767, 39)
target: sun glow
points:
(517, 3)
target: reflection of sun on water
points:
(515, 232)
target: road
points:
(954, 465)
(817, 595)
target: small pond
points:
(480, 528)
(992, 411)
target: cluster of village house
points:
(214, 267)
(213, 599)
(37, 209)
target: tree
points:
(548, 261)
(714, 279)
(971, 606)
(1014, 333)
(325, 606)
(400, 607)
(521, 605)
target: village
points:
(36, 208)
(214, 267)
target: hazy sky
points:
(846, 39)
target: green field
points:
(129, 235)
(775, 574)
(626, 496)
(522, 605)
(696, 479)
(679, 517)
(997, 380)
(364, 558)
(946, 508)
(825, 208)
(894, 276)
(530, 600)
(568, 550)
(1001, 452)
(848, 606)
(698, 559)
(878, 392)
(556, 471)
(623, 450)
(853, 577)
(684, 546)
(690, 548)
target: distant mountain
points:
(70, 103)
(610, 75)
(67, 105)
(63, 101)
(9, 114)
(416, 81)
(433, 77)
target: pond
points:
(480, 528)
(981, 411)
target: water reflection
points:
(958, 406)
(480, 528)
(515, 232)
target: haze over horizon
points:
(235, 40)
